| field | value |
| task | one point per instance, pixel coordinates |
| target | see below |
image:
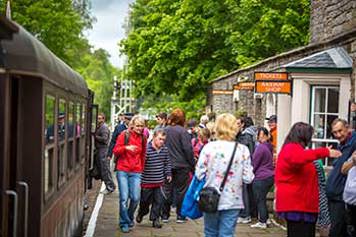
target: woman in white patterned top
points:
(212, 164)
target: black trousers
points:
(300, 229)
(104, 165)
(260, 191)
(351, 220)
(180, 183)
(151, 196)
(338, 219)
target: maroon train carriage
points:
(45, 114)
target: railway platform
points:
(106, 224)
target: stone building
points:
(322, 73)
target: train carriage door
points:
(20, 176)
(9, 195)
(92, 123)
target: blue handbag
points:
(190, 202)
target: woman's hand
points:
(131, 148)
(334, 153)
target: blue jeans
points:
(220, 223)
(129, 187)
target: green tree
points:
(99, 74)
(176, 47)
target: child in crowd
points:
(199, 142)
(157, 170)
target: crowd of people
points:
(154, 170)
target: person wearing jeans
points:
(212, 165)
(221, 223)
(130, 149)
(129, 187)
(262, 162)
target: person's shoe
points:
(259, 225)
(125, 229)
(156, 224)
(165, 219)
(181, 219)
(106, 191)
(243, 220)
(269, 222)
(131, 225)
(138, 219)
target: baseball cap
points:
(272, 118)
(61, 115)
(128, 115)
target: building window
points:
(324, 109)
(49, 119)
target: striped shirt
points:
(157, 167)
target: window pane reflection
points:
(49, 118)
(319, 101)
(333, 100)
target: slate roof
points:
(334, 59)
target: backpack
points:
(349, 194)
(126, 141)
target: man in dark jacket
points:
(102, 136)
(336, 181)
(247, 136)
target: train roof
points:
(25, 54)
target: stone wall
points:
(331, 18)
(257, 108)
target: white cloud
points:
(108, 29)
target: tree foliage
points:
(176, 47)
(60, 25)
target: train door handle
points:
(25, 185)
(14, 194)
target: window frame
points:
(62, 146)
(53, 174)
(325, 114)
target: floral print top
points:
(212, 164)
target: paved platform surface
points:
(107, 226)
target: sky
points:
(108, 29)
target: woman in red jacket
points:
(297, 194)
(131, 150)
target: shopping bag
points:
(190, 206)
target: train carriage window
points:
(50, 102)
(78, 131)
(61, 141)
(83, 119)
(71, 135)
(82, 139)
